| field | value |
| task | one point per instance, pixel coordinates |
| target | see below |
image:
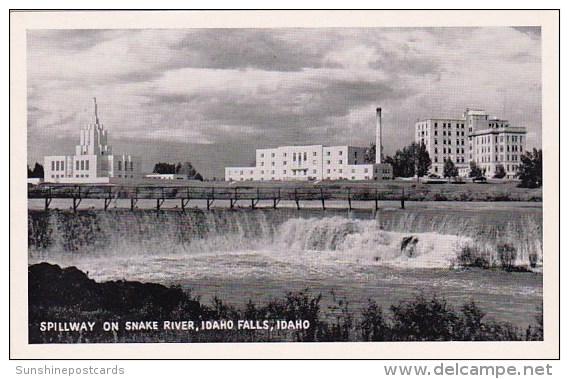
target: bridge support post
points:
(402, 198)
(184, 203)
(76, 202)
(349, 200)
(322, 199)
(376, 201)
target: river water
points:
(390, 255)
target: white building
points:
(167, 176)
(474, 137)
(93, 161)
(313, 162)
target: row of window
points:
(69, 176)
(486, 158)
(458, 159)
(449, 142)
(82, 165)
(126, 164)
(57, 166)
(449, 151)
(304, 155)
(487, 139)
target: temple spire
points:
(96, 115)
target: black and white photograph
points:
(299, 184)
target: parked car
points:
(480, 179)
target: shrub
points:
(533, 260)
(423, 320)
(507, 255)
(470, 256)
(373, 325)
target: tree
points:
(37, 172)
(412, 160)
(187, 169)
(475, 170)
(500, 172)
(449, 169)
(530, 171)
(164, 168)
(369, 156)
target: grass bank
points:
(68, 295)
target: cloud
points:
(236, 89)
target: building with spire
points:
(315, 162)
(93, 162)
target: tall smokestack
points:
(378, 144)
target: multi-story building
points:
(314, 162)
(474, 137)
(93, 161)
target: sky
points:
(212, 96)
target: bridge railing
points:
(220, 193)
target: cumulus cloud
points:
(230, 90)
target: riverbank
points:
(148, 312)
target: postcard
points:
(284, 184)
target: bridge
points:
(209, 194)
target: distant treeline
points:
(420, 319)
(185, 168)
(36, 172)
(414, 160)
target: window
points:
(340, 152)
(86, 165)
(273, 155)
(131, 166)
(273, 163)
(82, 166)
(284, 163)
(76, 165)
(340, 161)
(262, 155)
(340, 171)
(304, 156)
(52, 165)
(284, 171)
(328, 171)
(314, 153)
(120, 165)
